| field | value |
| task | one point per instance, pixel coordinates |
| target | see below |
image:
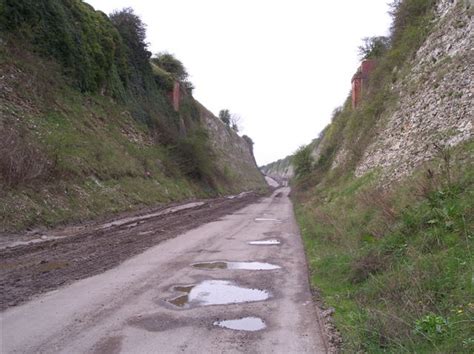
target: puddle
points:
(145, 232)
(236, 265)
(265, 242)
(158, 322)
(267, 219)
(216, 292)
(251, 324)
(272, 233)
(211, 265)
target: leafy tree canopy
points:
(374, 47)
(171, 64)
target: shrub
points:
(82, 40)
(21, 162)
(194, 157)
(224, 116)
(303, 161)
(170, 64)
(374, 47)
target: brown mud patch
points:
(28, 270)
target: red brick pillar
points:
(361, 79)
(366, 67)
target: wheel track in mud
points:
(32, 269)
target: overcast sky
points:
(282, 65)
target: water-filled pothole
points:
(216, 292)
(251, 324)
(273, 241)
(236, 265)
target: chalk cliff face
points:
(431, 104)
(281, 170)
(233, 154)
(435, 99)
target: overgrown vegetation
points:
(87, 126)
(302, 161)
(171, 65)
(396, 264)
(84, 41)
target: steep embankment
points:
(384, 197)
(433, 99)
(90, 124)
(281, 170)
(234, 155)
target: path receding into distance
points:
(182, 296)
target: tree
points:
(374, 47)
(133, 32)
(224, 115)
(169, 63)
(302, 161)
(231, 120)
(234, 122)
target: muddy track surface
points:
(33, 268)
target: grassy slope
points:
(86, 127)
(392, 263)
(396, 264)
(100, 155)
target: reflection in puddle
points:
(243, 324)
(216, 292)
(179, 301)
(237, 265)
(267, 219)
(265, 242)
(211, 265)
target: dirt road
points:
(216, 288)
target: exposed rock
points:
(435, 99)
(281, 171)
(234, 155)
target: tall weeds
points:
(21, 162)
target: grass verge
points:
(396, 265)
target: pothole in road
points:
(216, 292)
(269, 242)
(236, 265)
(251, 324)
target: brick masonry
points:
(361, 79)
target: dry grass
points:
(21, 162)
(367, 265)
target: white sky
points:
(282, 65)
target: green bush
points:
(82, 39)
(303, 161)
(194, 157)
(170, 64)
